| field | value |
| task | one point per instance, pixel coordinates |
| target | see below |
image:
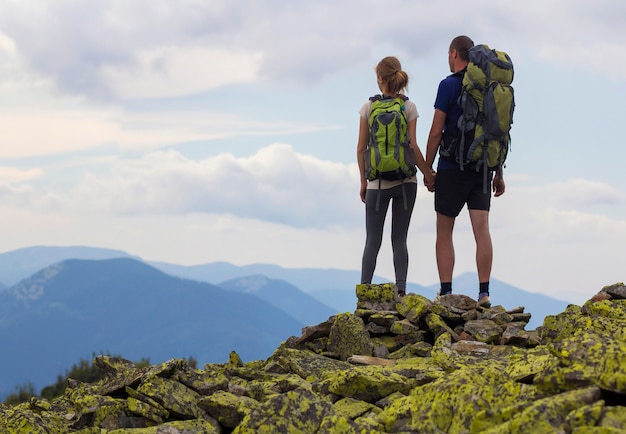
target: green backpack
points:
(487, 101)
(388, 154)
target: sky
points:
(192, 132)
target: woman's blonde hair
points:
(392, 75)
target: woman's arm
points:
(360, 154)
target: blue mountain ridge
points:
(340, 294)
(283, 295)
(19, 264)
(332, 287)
(75, 308)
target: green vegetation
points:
(22, 394)
(84, 371)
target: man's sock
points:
(483, 289)
(446, 288)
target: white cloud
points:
(157, 48)
(37, 132)
(69, 126)
(12, 174)
(173, 71)
(275, 184)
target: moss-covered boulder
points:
(348, 336)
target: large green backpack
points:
(487, 101)
(388, 154)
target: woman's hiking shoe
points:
(483, 300)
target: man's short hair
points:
(462, 44)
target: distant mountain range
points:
(74, 308)
(62, 304)
(336, 288)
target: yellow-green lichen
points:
(349, 337)
(369, 383)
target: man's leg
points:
(484, 248)
(444, 247)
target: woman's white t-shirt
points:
(411, 114)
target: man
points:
(454, 188)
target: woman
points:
(378, 193)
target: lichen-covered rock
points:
(348, 336)
(201, 381)
(613, 417)
(450, 403)
(369, 384)
(585, 416)
(413, 306)
(353, 408)
(306, 364)
(524, 366)
(484, 330)
(617, 290)
(446, 366)
(335, 424)
(587, 359)
(539, 416)
(23, 419)
(388, 341)
(437, 325)
(197, 426)
(612, 309)
(298, 410)
(514, 334)
(561, 326)
(406, 328)
(228, 409)
(379, 297)
(384, 319)
(422, 349)
(175, 397)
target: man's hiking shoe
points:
(437, 299)
(483, 301)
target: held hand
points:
(498, 186)
(429, 180)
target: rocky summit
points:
(397, 364)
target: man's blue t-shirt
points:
(447, 101)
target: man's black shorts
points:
(454, 188)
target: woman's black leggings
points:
(374, 223)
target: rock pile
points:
(391, 327)
(394, 365)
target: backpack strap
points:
(406, 206)
(485, 171)
(460, 102)
(380, 181)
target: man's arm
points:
(498, 182)
(434, 137)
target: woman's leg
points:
(400, 220)
(374, 223)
